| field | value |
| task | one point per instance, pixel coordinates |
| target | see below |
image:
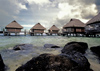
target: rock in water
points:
(23, 47)
(96, 50)
(49, 62)
(51, 46)
(81, 61)
(74, 51)
(72, 47)
(2, 65)
(75, 46)
(71, 59)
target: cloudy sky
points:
(47, 12)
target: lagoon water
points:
(14, 59)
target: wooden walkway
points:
(5, 33)
(69, 34)
(80, 34)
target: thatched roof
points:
(54, 28)
(38, 26)
(14, 24)
(74, 23)
(94, 19)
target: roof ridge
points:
(14, 24)
(54, 27)
(38, 26)
(75, 23)
(93, 20)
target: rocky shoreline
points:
(71, 58)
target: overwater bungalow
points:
(75, 27)
(37, 29)
(13, 27)
(53, 30)
(93, 26)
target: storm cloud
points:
(47, 12)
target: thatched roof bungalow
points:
(53, 30)
(13, 27)
(37, 29)
(93, 25)
(74, 26)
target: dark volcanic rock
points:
(23, 47)
(2, 65)
(96, 50)
(75, 46)
(83, 44)
(71, 59)
(49, 62)
(79, 59)
(74, 51)
(51, 46)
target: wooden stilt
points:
(9, 34)
(94, 35)
(4, 32)
(25, 32)
(15, 34)
(67, 34)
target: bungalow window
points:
(69, 30)
(96, 26)
(90, 26)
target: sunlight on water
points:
(14, 59)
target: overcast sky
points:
(47, 12)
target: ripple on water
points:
(13, 59)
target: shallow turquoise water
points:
(10, 41)
(13, 59)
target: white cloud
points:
(47, 12)
(40, 2)
(28, 26)
(75, 11)
(9, 9)
(22, 6)
(15, 6)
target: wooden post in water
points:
(30, 33)
(15, 34)
(94, 34)
(76, 34)
(3, 31)
(25, 32)
(41, 34)
(9, 34)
